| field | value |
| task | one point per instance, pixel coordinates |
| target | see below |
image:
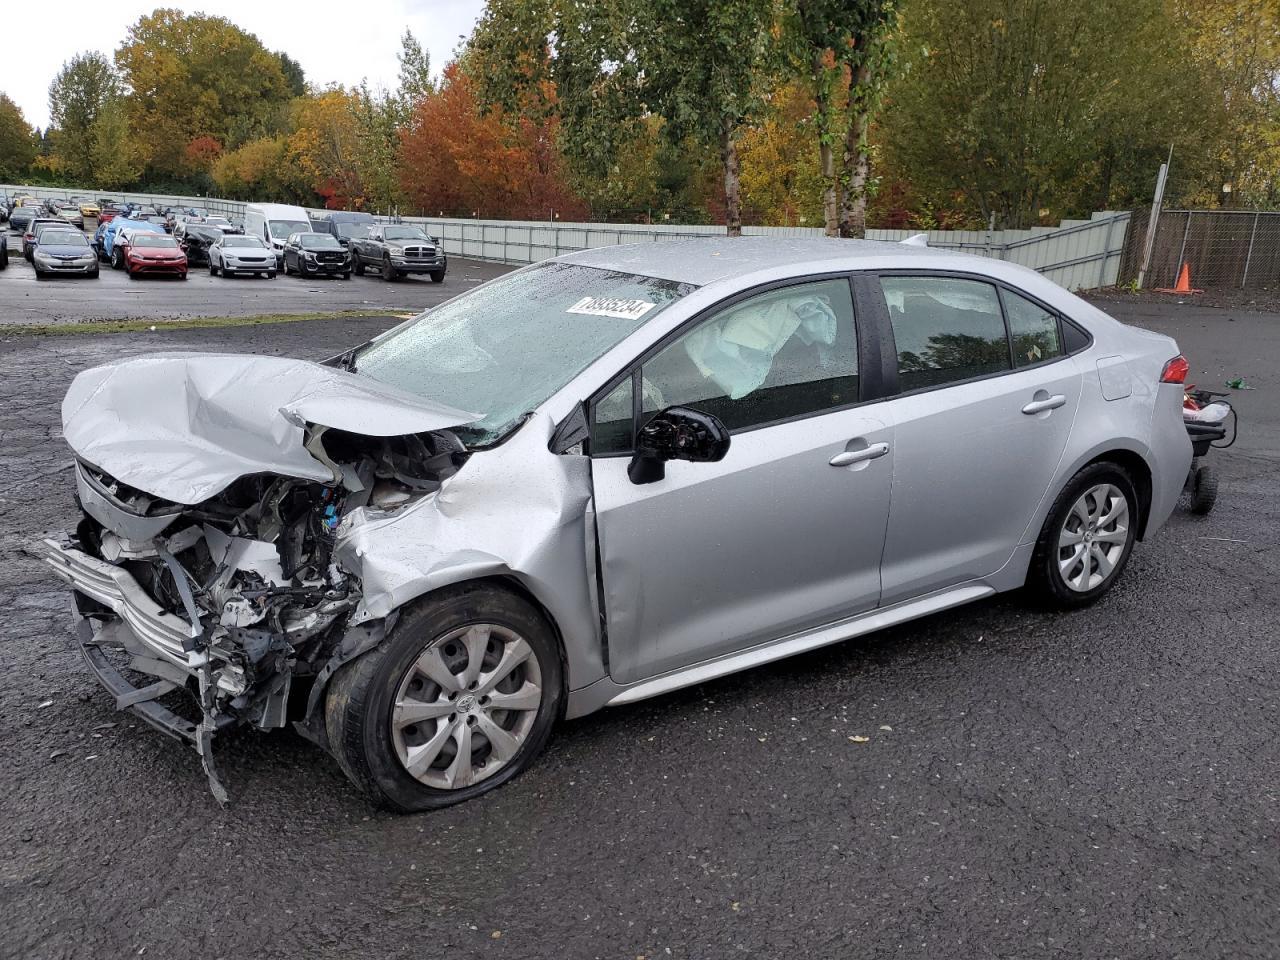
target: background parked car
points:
(275, 223)
(398, 249)
(151, 253)
(70, 212)
(110, 231)
(29, 235)
(222, 223)
(345, 224)
(316, 254)
(196, 239)
(61, 250)
(20, 217)
(233, 254)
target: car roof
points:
(705, 260)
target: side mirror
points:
(677, 433)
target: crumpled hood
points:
(183, 426)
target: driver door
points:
(774, 539)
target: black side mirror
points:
(677, 433)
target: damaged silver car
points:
(595, 480)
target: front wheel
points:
(358, 266)
(459, 698)
(117, 261)
(437, 276)
(1087, 538)
(213, 268)
(388, 271)
(271, 274)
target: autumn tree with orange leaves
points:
(456, 160)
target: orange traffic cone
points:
(1184, 282)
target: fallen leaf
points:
(496, 935)
(885, 726)
(47, 703)
(859, 739)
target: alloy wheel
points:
(465, 707)
(1093, 538)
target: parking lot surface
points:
(113, 296)
(1099, 784)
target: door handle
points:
(871, 452)
(1049, 403)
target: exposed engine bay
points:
(250, 571)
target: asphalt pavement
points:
(1102, 784)
(113, 296)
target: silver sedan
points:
(595, 480)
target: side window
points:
(611, 421)
(780, 354)
(1034, 331)
(945, 329)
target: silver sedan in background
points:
(595, 480)
(234, 255)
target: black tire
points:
(40, 274)
(388, 271)
(117, 261)
(4, 259)
(360, 697)
(346, 275)
(271, 274)
(1045, 578)
(93, 275)
(358, 266)
(1204, 488)
(213, 268)
(285, 264)
(437, 276)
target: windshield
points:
(318, 241)
(62, 238)
(348, 229)
(154, 240)
(242, 242)
(282, 228)
(404, 233)
(504, 348)
(218, 221)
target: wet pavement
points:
(1099, 784)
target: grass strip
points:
(147, 326)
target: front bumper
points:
(323, 269)
(63, 266)
(264, 266)
(152, 268)
(436, 265)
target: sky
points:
(332, 44)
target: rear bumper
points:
(1170, 454)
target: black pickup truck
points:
(398, 249)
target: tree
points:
(1022, 108)
(326, 146)
(782, 181)
(192, 76)
(17, 141)
(607, 64)
(457, 159)
(79, 93)
(415, 72)
(844, 48)
(294, 78)
(116, 161)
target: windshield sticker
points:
(612, 307)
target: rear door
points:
(987, 399)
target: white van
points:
(274, 222)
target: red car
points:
(146, 254)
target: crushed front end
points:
(199, 617)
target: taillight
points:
(1176, 370)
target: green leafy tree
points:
(294, 78)
(844, 48)
(116, 160)
(415, 72)
(18, 144)
(194, 76)
(77, 97)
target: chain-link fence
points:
(1222, 249)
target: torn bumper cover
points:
(212, 489)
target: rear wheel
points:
(459, 698)
(1087, 538)
(1203, 485)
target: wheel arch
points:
(1139, 471)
